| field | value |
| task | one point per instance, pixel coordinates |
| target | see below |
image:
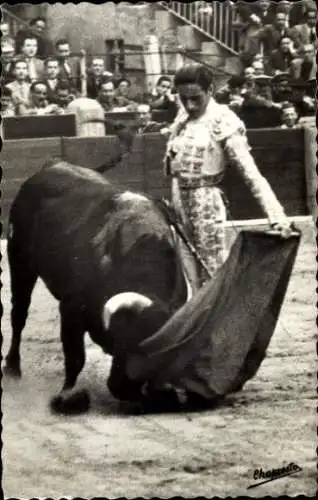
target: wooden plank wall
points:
(279, 154)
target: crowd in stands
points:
(278, 48)
(278, 51)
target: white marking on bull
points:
(130, 300)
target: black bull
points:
(101, 251)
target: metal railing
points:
(214, 19)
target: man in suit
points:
(306, 32)
(70, 67)
(145, 124)
(20, 86)
(52, 76)
(7, 55)
(269, 37)
(305, 68)
(29, 50)
(95, 77)
(280, 60)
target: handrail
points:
(215, 25)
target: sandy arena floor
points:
(269, 424)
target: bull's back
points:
(54, 217)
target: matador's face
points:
(194, 99)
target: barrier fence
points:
(280, 155)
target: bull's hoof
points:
(71, 404)
(12, 371)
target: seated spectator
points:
(286, 89)
(52, 76)
(5, 33)
(285, 7)
(20, 86)
(258, 67)
(29, 48)
(39, 104)
(248, 74)
(144, 121)
(37, 27)
(263, 88)
(269, 37)
(107, 97)
(63, 95)
(70, 67)
(289, 116)
(305, 68)
(123, 87)
(161, 97)
(7, 55)
(7, 105)
(95, 76)
(305, 33)
(280, 60)
(232, 93)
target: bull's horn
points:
(130, 300)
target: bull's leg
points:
(22, 283)
(72, 337)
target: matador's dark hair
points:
(196, 74)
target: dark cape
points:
(216, 342)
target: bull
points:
(107, 255)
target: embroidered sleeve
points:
(236, 147)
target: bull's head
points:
(133, 317)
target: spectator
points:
(289, 116)
(52, 76)
(145, 124)
(95, 77)
(280, 60)
(5, 33)
(39, 104)
(20, 86)
(7, 55)
(63, 96)
(37, 27)
(258, 67)
(305, 68)
(161, 97)
(232, 93)
(29, 47)
(249, 74)
(123, 87)
(282, 87)
(253, 16)
(285, 7)
(70, 67)
(305, 33)
(107, 96)
(7, 105)
(269, 37)
(286, 89)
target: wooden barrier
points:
(279, 154)
(31, 127)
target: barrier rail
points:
(280, 155)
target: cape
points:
(216, 342)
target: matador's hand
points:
(284, 228)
